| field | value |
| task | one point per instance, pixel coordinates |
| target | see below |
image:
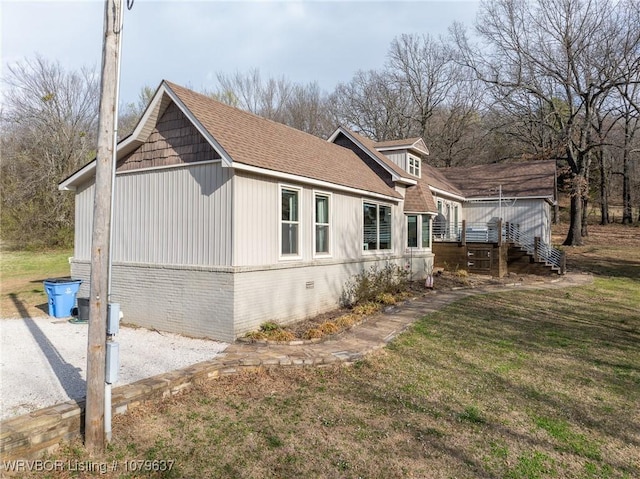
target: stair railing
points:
(541, 251)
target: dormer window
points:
(413, 164)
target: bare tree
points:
(564, 53)
(48, 129)
(307, 110)
(131, 112)
(265, 98)
(301, 106)
(374, 105)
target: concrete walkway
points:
(377, 330)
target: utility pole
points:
(96, 347)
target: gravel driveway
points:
(43, 360)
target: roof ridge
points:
(241, 110)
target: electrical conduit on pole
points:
(107, 391)
(100, 241)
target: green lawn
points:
(22, 274)
(525, 384)
(516, 385)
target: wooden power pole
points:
(96, 348)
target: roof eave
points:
(161, 99)
(395, 177)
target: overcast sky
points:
(189, 42)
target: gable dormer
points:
(407, 154)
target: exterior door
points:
(479, 259)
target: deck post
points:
(463, 233)
(563, 262)
(500, 231)
(536, 249)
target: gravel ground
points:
(43, 361)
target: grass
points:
(22, 276)
(518, 385)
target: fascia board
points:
(130, 143)
(441, 193)
(310, 181)
(227, 161)
(394, 176)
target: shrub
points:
(366, 309)
(281, 335)
(313, 333)
(269, 326)
(347, 320)
(386, 298)
(369, 284)
(329, 328)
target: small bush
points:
(365, 309)
(347, 320)
(462, 273)
(271, 331)
(368, 285)
(281, 335)
(329, 328)
(313, 333)
(269, 326)
(386, 298)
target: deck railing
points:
(499, 232)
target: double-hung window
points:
(376, 227)
(414, 165)
(322, 224)
(290, 222)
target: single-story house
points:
(224, 220)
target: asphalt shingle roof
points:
(256, 141)
(524, 179)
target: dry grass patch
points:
(527, 384)
(515, 385)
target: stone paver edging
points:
(30, 435)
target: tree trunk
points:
(584, 194)
(584, 231)
(627, 214)
(604, 192)
(574, 236)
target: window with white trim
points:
(413, 163)
(426, 231)
(322, 223)
(290, 225)
(376, 227)
(412, 231)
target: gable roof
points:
(436, 179)
(242, 138)
(531, 179)
(369, 147)
(416, 144)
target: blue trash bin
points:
(62, 295)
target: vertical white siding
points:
(399, 158)
(179, 216)
(83, 222)
(256, 223)
(174, 216)
(533, 216)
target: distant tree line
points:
(546, 79)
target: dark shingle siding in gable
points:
(173, 141)
(345, 142)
